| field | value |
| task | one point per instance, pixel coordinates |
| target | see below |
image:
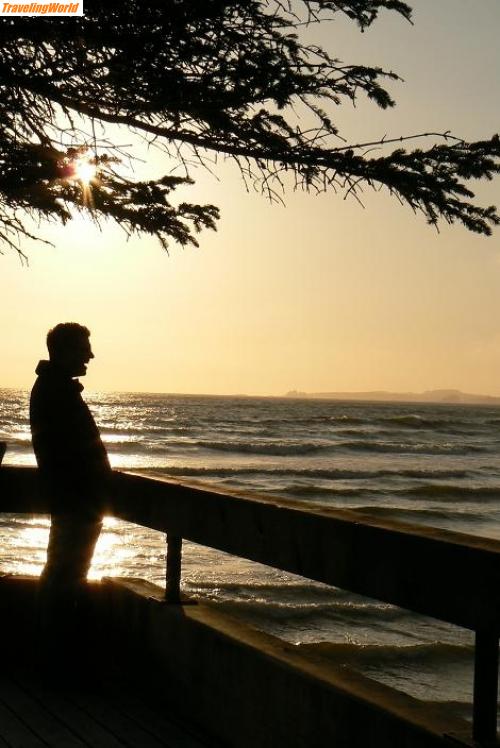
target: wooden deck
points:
(36, 712)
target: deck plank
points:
(15, 732)
(113, 712)
(49, 728)
(55, 701)
(120, 723)
(154, 717)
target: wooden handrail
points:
(450, 576)
(447, 575)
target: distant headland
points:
(430, 396)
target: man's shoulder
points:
(50, 385)
(41, 387)
(44, 399)
(44, 384)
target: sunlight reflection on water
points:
(25, 548)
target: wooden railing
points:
(450, 576)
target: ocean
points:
(433, 465)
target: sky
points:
(321, 295)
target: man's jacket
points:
(73, 465)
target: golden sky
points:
(319, 296)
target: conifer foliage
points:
(203, 79)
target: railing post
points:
(484, 725)
(173, 570)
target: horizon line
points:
(294, 394)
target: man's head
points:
(69, 347)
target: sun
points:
(84, 170)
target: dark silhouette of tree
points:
(198, 78)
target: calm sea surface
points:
(430, 464)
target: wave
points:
(288, 610)
(449, 520)
(384, 653)
(286, 421)
(360, 433)
(430, 492)
(298, 588)
(298, 489)
(398, 448)
(15, 521)
(326, 473)
(156, 427)
(453, 492)
(16, 440)
(406, 421)
(149, 431)
(286, 448)
(266, 448)
(416, 421)
(284, 600)
(148, 447)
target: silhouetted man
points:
(74, 474)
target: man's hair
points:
(64, 336)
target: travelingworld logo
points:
(41, 9)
